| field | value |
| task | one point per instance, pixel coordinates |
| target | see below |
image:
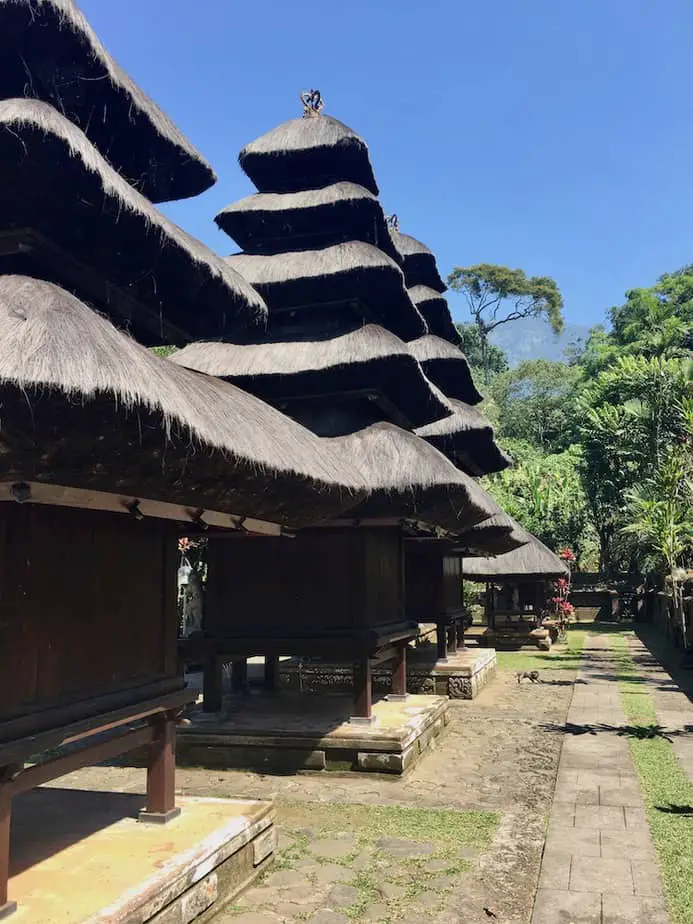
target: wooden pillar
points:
(271, 680)
(6, 906)
(239, 675)
(399, 674)
(442, 641)
(363, 697)
(452, 636)
(461, 646)
(161, 772)
(212, 689)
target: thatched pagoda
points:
(106, 450)
(518, 587)
(318, 249)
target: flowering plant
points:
(567, 555)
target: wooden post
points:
(212, 685)
(363, 702)
(452, 636)
(6, 906)
(399, 675)
(442, 641)
(161, 773)
(239, 675)
(461, 646)
(271, 680)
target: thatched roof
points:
(49, 51)
(435, 312)
(495, 536)
(531, 561)
(352, 272)
(466, 437)
(279, 222)
(83, 405)
(410, 479)
(447, 367)
(56, 183)
(420, 265)
(307, 153)
(370, 359)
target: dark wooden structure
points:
(434, 593)
(88, 664)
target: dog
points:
(532, 676)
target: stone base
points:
(460, 676)
(82, 857)
(296, 732)
(511, 638)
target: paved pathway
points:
(599, 865)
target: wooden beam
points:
(212, 692)
(6, 906)
(399, 672)
(62, 496)
(363, 695)
(271, 679)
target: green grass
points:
(564, 656)
(665, 786)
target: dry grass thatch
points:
(531, 561)
(466, 437)
(307, 153)
(370, 358)
(495, 536)
(352, 271)
(85, 405)
(49, 51)
(435, 312)
(411, 479)
(447, 367)
(57, 183)
(334, 214)
(420, 265)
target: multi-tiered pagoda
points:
(318, 249)
(106, 450)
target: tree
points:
(472, 348)
(535, 403)
(497, 295)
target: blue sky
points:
(553, 135)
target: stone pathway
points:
(599, 864)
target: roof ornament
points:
(392, 222)
(313, 103)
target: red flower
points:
(183, 544)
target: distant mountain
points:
(532, 338)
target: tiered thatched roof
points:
(85, 406)
(435, 312)
(307, 153)
(276, 222)
(369, 360)
(48, 51)
(495, 536)
(350, 272)
(466, 437)
(531, 561)
(420, 264)
(410, 479)
(447, 367)
(56, 183)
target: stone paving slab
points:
(599, 865)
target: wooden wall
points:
(433, 585)
(322, 579)
(87, 605)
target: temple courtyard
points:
(529, 808)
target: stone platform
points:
(81, 857)
(287, 731)
(511, 638)
(460, 676)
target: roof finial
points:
(312, 103)
(392, 222)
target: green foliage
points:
(472, 348)
(163, 350)
(496, 295)
(535, 402)
(545, 493)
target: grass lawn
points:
(564, 656)
(666, 788)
